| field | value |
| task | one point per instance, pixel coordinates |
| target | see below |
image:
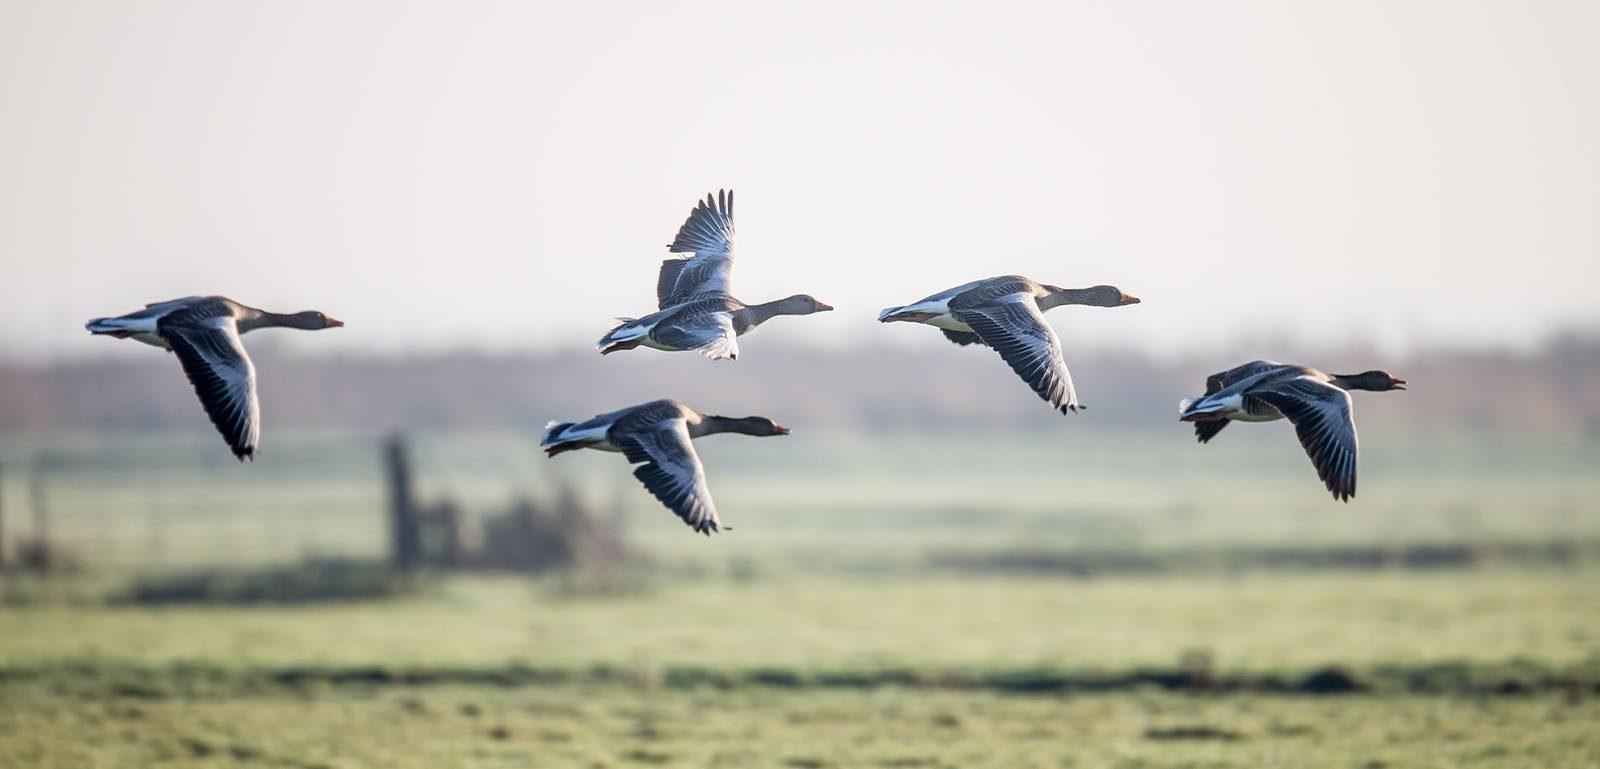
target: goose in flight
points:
(1007, 313)
(1317, 404)
(695, 305)
(657, 437)
(203, 331)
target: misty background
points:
(504, 176)
(477, 191)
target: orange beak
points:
(823, 307)
(1129, 299)
(780, 429)
(335, 323)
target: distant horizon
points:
(272, 341)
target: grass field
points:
(626, 727)
(873, 606)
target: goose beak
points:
(779, 429)
(334, 323)
(1399, 384)
(1129, 299)
(823, 307)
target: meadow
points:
(872, 606)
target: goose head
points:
(759, 426)
(310, 320)
(1375, 380)
(1093, 296)
(800, 304)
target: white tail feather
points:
(552, 432)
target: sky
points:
(505, 176)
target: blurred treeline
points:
(1554, 388)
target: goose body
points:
(204, 331)
(1318, 404)
(658, 438)
(696, 309)
(1007, 314)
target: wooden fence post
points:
(404, 523)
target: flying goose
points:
(1007, 313)
(204, 333)
(695, 306)
(656, 436)
(1317, 404)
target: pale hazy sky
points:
(506, 175)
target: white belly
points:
(949, 322)
(1234, 407)
(152, 340)
(1242, 416)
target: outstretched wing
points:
(709, 333)
(1325, 422)
(222, 375)
(1205, 431)
(706, 240)
(671, 470)
(1014, 327)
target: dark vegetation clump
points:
(1424, 556)
(565, 533)
(320, 580)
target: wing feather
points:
(709, 331)
(1016, 329)
(706, 240)
(222, 375)
(1324, 420)
(670, 470)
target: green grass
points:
(627, 727)
(905, 601)
(811, 502)
(1261, 623)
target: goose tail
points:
(106, 325)
(553, 442)
(625, 336)
(552, 433)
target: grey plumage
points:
(203, 333)
(1006, 313)
(658, 438)
(696, 309)
(1318, 404)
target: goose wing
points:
(1014, 327)
(1324, 419)
(706, 243)
(207, 344)
(709, 333)
(670, 469)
